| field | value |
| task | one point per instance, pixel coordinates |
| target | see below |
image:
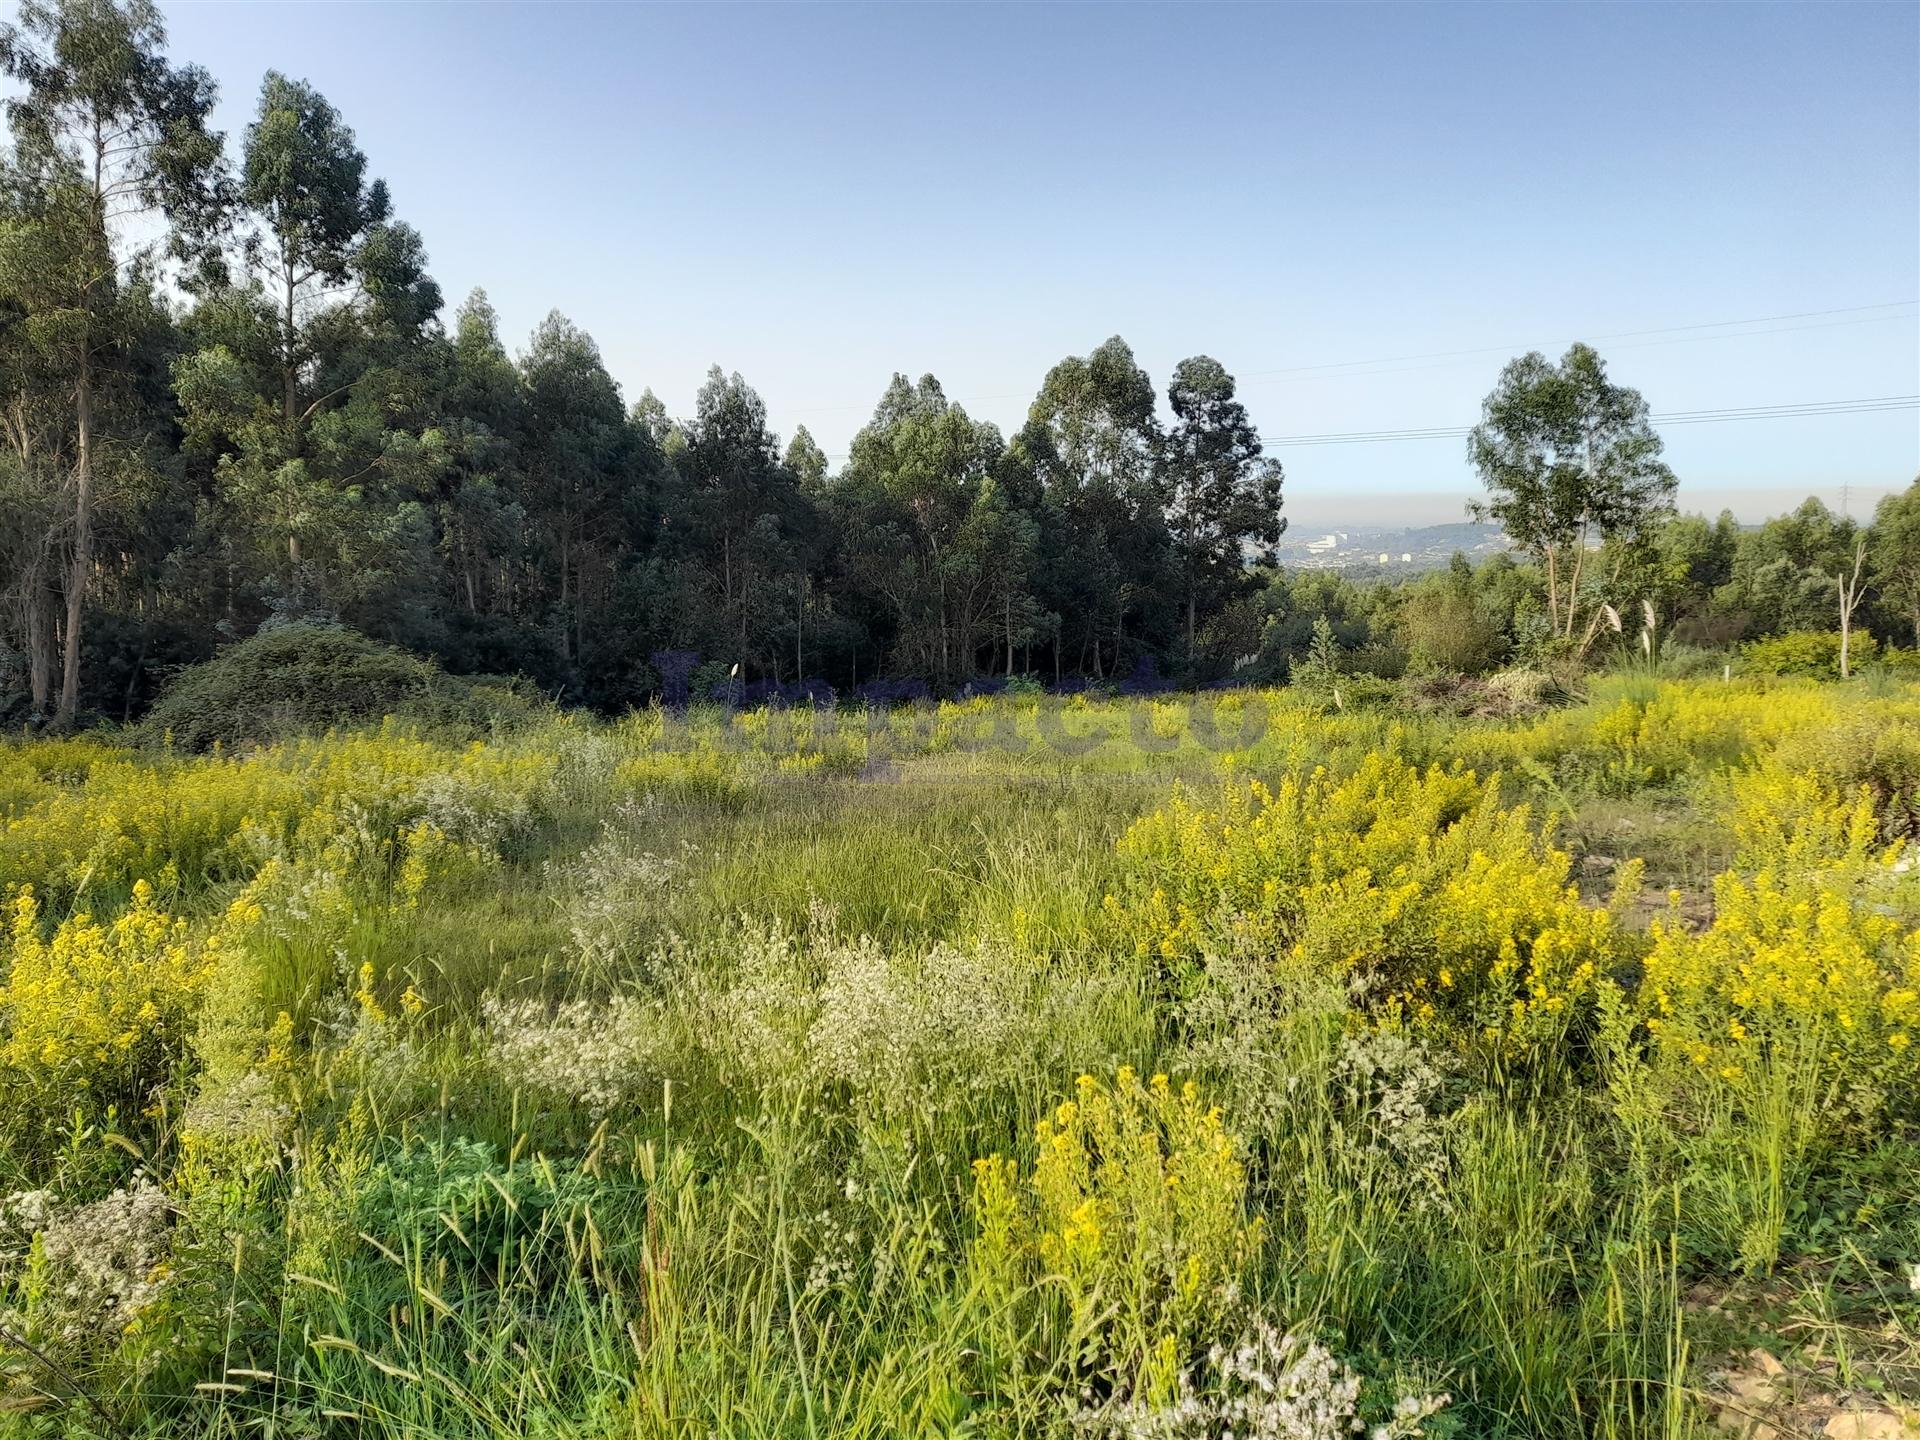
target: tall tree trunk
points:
(1849, 599)
(1553, 588)
(133, 678)
(39, 620)
(944, 663)
(1009, 599)
(580, 607)
(80, 569)
(566, 555)
(289, 403)
(289, 372)
(80, 566)
(1573, 580)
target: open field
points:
(1017, 1067)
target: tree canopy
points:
(1569, 458)
(234, 402)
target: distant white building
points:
(1405, 558)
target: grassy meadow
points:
(1177, 1067)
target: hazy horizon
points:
(1415, 509)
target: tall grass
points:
(629, 1080)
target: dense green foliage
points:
(233, 400)
(297, 679)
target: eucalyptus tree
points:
(311, 383)
(1569, 459)
(1005, 539)
(806, 460)
(1895, 557)
(916, 537)
(586, 474)
(36, 430)
(1784, 573)
(1092, 444)
(305, 185)
(649, 414)
(109, 137)
(1676, 568)
(743, 518)
(1223, 494)
(480, 516)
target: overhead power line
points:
(1680, 334)
(1685, 334)
(1868, 405)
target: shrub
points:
(1422, 884)
(1814, 948)
(1901, 664)
(908, 1034)
(303, 678)
(1641, 733)
(103, 1009)
(1791, 964)
(1506, 694)
(1678, 660)
(1874, 749)
(88, 1275)
(1263, 1385)
(458, 1203)
(1444, 630)
(1806, 652)
(1130, 1233)
(593, 1053)
(706, 777)
(187, 823)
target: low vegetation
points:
(1257, 1064)
(296, 678)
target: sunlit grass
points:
(628, 1079)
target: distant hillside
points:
(1387, 547)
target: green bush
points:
(1901, 664)
(1806, 652)
(302, 678)
(1444, 631)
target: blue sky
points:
(819, 195)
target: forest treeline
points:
(233, 401)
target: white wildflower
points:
(1265, 1386)
(907, 1033)
(106, 1262)
(615, 888)
(25, 1211)
(243, 1111)
(1389, 1086)
(594, 1051)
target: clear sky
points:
(819, 195)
